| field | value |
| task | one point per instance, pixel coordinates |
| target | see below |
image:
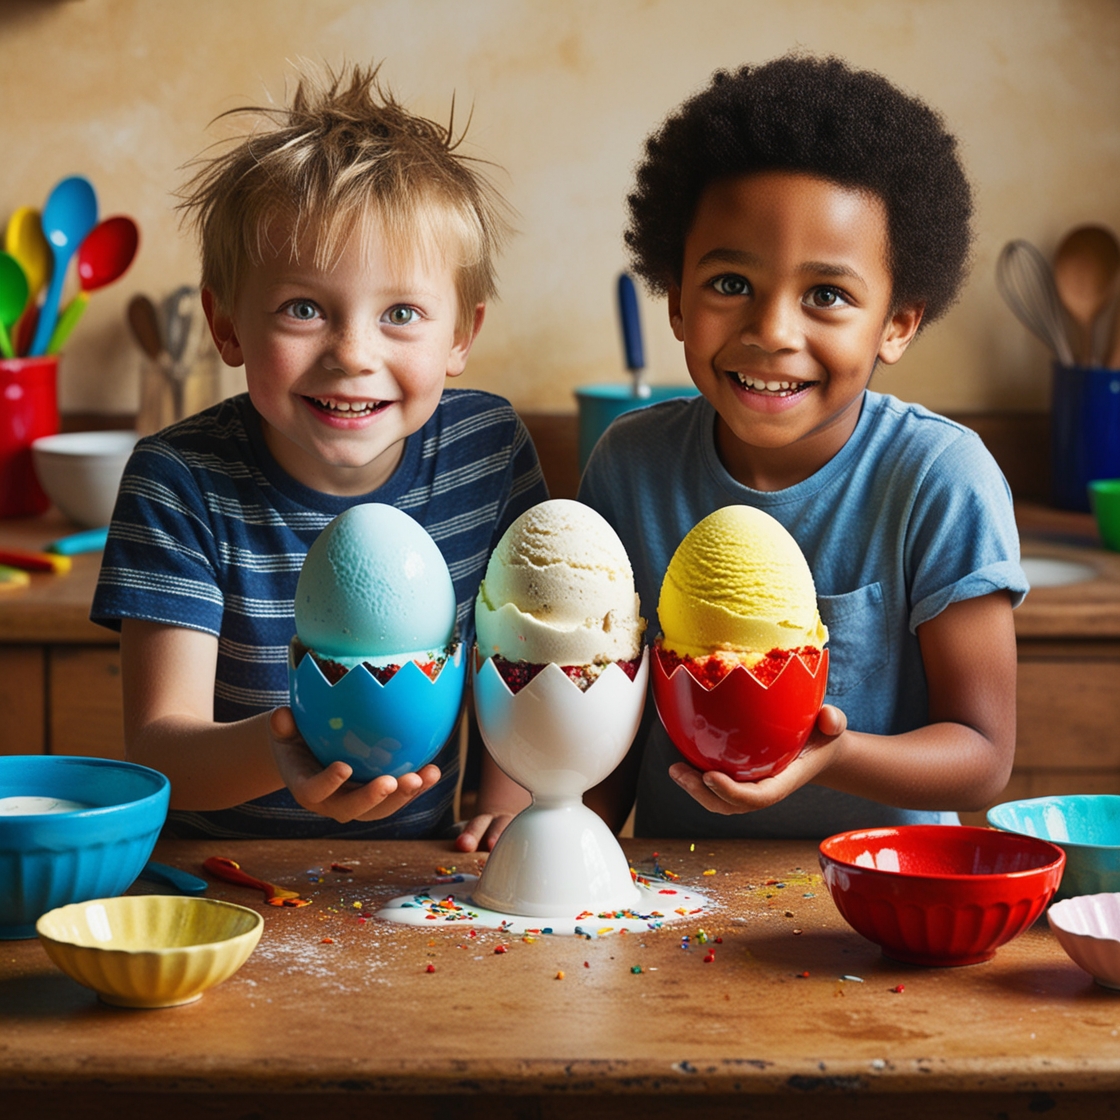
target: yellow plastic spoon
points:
(24, 239)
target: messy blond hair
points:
(345, 158)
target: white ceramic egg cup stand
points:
(557, 866)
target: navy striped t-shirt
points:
(210, 533)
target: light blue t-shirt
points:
(910, 516)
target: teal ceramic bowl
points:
(393, 728)
(1086, 826)
(1104, 498)
(50, 858)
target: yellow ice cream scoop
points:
(738, 583)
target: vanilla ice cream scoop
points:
(738, 583)
(559, 588)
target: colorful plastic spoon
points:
(231, 871)
(68, 216)
(13, 299)
(24, 239)
(104, 256)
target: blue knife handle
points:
(631, 324)
(182, 881)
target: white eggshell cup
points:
(557, 741)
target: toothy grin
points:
(348, 408)
(779, 388)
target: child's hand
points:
(329, 792)
(721, 794)
(482, 832)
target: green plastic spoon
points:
(13, 299)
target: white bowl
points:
(1088, 928)
(81, 472)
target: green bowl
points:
(1104, 498)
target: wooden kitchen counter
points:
(337, 1011)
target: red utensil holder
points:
(28, 410)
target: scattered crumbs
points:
(635, 969)
(692, 847)
(356, 905)
(342, 868)
(878, 1063)
(854, 979)
(430, 968)
(900, 988)
(501, 948)
(710, 871)
(560, 975)
(711, 956)
(586, 964)
(446, 870)
(803, 975)
(797, 933)
(787, 913)
(808, 894)
(326, 941)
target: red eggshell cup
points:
(740, 727)
(940, 894)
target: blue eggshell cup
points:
(376, 728)
(1085, 826)
(52, 859)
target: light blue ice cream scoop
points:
(375, 587)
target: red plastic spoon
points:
(231, 871)
(103, 256)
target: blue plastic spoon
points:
(68, 216)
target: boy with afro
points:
(804, 221)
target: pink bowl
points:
(940, 894)
(740, 727)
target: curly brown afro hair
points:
(821, 117)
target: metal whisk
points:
(1026, 283)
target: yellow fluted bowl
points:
(150, 950)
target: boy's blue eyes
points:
(400, 316)
(304, 311)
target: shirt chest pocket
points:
(858, 637)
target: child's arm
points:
(960, 760)
(168, 681)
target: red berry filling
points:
(334, 672)
(517, 674)
(709, 671)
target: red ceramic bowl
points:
(740, 727)
(940, 894)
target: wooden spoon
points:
(1086, 272)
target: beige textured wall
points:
(563, 93)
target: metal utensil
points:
(180, 338)
(632, 333)
(1024, 280)
(1086, 276)
(69, 214)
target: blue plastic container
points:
(600, 404)
(1084, 432)
(52, 859)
